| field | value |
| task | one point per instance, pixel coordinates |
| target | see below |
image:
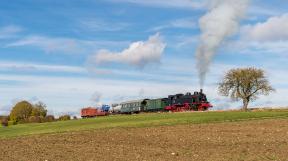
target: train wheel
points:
(187, 107)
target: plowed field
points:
(245, 140)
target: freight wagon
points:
(115, 108)
(92, 112)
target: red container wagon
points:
(92, 112)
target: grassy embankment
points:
(140, 120)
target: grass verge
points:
(140, 120)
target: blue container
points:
(105, 108)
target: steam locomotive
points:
(188, 102)
(174, 103)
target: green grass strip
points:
(140, 120)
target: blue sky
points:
(63, 52)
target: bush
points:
(21, 111)
(12, 123)
(22, 121)
(25, 112)
(4, 122)
(35, 119)
(39, 109)
(75, 118)
(49, 118)
(64, 118)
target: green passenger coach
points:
(156, 104)
(135, 106)
(143, 105)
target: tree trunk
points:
(245, 104)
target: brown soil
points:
(248, 140)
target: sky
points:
(72, 54)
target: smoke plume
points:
(220, 22)
(96, 97)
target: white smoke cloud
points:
(96, 98)
(141, 93)
(138, 54)
(220, 22)
(274, 29)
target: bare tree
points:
(246, 84)
(39, 109)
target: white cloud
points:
(274, 29)
(268, 37)
(257, 10)
(189, 4)
(64, 45)
(49, 45)
(188, 23)
(26, 66)
(138, 54)
(101, 25)
(9, 31)
(184, 41)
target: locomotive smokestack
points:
(201, 90)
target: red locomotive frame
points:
(203, 106)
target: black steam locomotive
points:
(188, 102)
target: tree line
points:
(26, 112)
